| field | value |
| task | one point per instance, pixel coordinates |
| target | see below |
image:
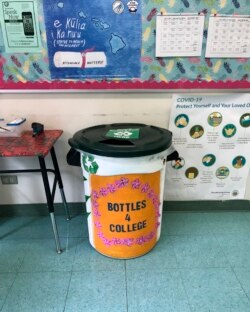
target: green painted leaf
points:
(87, 198)
(93, 168)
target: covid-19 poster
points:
(93, 39)
(212, 136)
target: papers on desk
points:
(179, 35)
(12, 128)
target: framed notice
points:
(19, 22)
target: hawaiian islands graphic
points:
(60, 4)
(100, 24)
(116, 43)
(82, 14)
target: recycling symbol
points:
(89, 163)
(123, 134)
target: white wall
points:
(72, 112)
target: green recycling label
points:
(89, 163)
(123, 133)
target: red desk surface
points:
(26, 145)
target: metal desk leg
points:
(49, 202)
(59, 179)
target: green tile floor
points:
(200, 264)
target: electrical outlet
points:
(9, 179)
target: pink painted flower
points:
(99, 234)
(128, 241)
(95, 204)
(122, 182)
(140, 240)
(145, 188)
(150, 236)
(103, 191)
(96, 212)
(111, 188)
(136, 184)
(118, 184)
(117, 241)
(95, 195)
(107, 242)
(98, 224)
(156, 202)
(151, 194)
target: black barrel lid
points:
(122, 140)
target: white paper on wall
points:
(212, 136)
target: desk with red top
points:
(39, 146)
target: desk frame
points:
(50, 194)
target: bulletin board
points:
(31, 71)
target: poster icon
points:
(235, 193)
(208, 160)
(229, 131)
(196, 132)
(181, 121)
(239, 162)
(191, 173)
(178, 163)
(214, 119)
(245, 120)
(222, 172)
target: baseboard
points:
(40, 209)
(207, 205)
(79, 208)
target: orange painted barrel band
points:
(126, 213)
